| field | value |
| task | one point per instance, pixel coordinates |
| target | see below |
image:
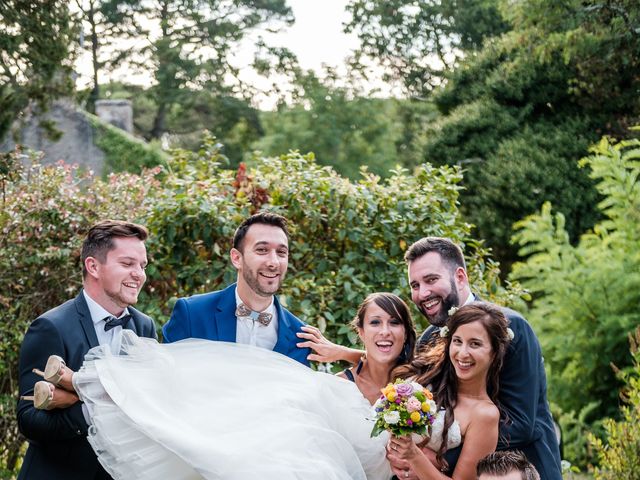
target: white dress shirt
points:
(251, 332)
(113, 337)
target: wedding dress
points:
(198, 409)
(454, 435)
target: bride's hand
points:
(404, 447)
(400, 468)
(324, 350)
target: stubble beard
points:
(119, 299)
(251, 279)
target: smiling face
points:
(261, 261)
(436, 287)
(470, 351)
(383, 335)
(116, 282)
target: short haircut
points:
(450, 253)
(266, 218)
(99, 240)
(503, 463)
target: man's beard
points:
(251, 278)
(119, 299)
(451, 300)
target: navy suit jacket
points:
(58, 447)
(212, 316)
(523, 397)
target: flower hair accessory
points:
(510, 334)
(444, 332)
(452, 311)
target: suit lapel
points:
(225, 315)
(285, 334)
(84, 316)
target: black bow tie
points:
(113, 322)
(243, 311)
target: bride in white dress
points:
(463, 367)
(199, 409)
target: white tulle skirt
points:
(199, 409)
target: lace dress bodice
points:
(454, 435)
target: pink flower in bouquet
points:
(413, 404)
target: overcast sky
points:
(316, 38)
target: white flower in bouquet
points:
(392, 417)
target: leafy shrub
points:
(347, 238)
(123, 152)
(586, 296)
(620, 455)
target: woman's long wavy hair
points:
(396, 308)
(432, 366)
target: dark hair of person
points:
(99, 239)
(266, 218)
(432, 366)
(396, 308)
(503, 463)
(450, 253)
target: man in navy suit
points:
(438, 281)
(247, 311)
(114, 260)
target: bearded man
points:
(247, 311)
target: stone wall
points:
(75, 144)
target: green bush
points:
(585, 297)
(347, 238)
(123, 152)
(619, 455)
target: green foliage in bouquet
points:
(619, 454)
(585, 297)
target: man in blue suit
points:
(438, 281)
(247, 311)
(114, 260)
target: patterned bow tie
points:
(243, 311)
(113, 322)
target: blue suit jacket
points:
(212, 316)
(523, 396)
(58, 447)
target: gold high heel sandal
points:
(47, 397)
(56, 372)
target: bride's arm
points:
(326, 351)
(480, 439)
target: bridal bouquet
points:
(404, 408)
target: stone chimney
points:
(118, 113)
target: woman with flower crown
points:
(462, 371)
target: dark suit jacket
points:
(523, 397)
(58, 448)
(212, 316)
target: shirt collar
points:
(469, 299)
(97, 311)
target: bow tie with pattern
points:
(113, 322)
(263, 318)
